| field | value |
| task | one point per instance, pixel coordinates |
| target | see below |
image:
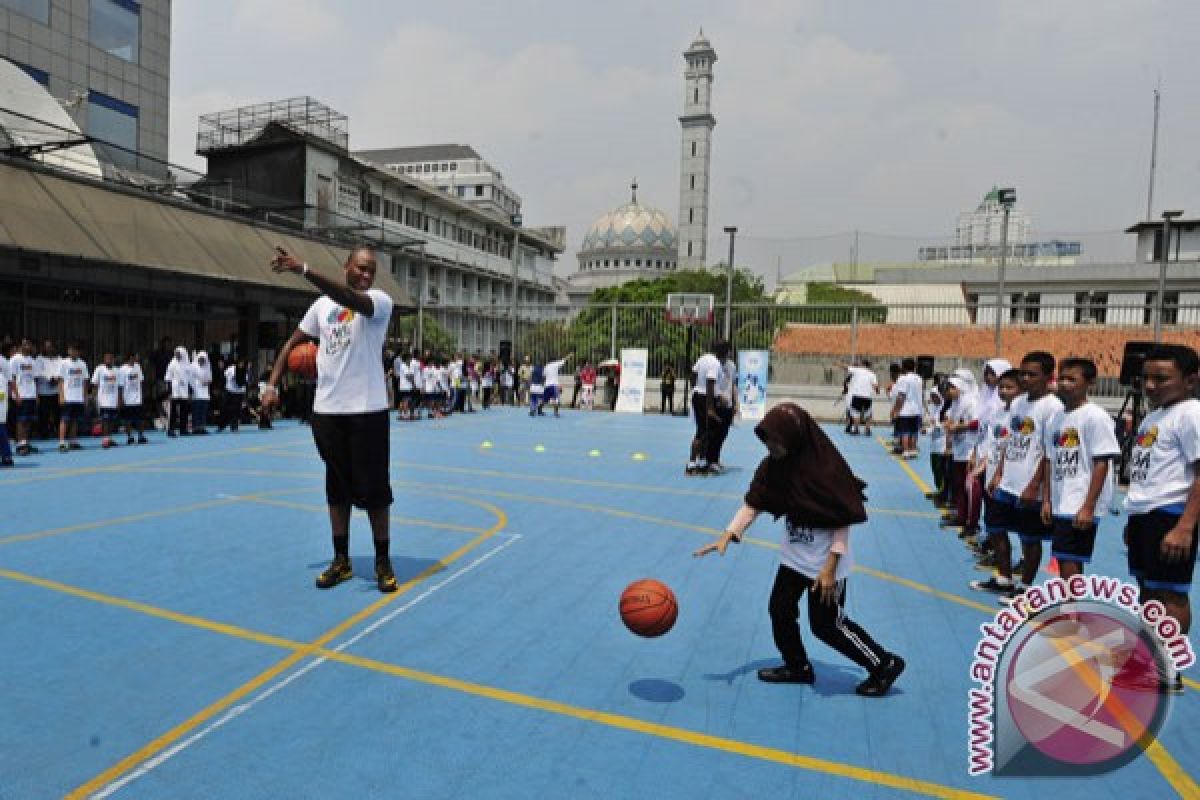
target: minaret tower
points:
(697, 123)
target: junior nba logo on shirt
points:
(1139, 460)
(1066, 453)
(1072, 679)
(1020, 437)
(339, 337)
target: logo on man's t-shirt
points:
(1068, 437)
(338, 337)
(339, 316)
(1148, 437)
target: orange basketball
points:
(648, 607)
(303, 360)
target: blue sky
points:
(889, 118)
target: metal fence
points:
(808, 342)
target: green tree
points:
(435, 337)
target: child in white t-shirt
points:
(6, 456)
(989, 454)
(179, 381)
(1079, 444)
(1019, 483)
(805, 479)
(1163, 501)
(201, 378)
(72, 397)
(130, 378)
(106, 382)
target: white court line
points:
(237, 711)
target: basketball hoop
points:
(689, 308)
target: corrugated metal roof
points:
(47, 213)
(409, 155)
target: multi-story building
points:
(455, 169)
(979, 234)
(108, 61)
(290, 160)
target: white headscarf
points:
(201, 361)
(989, 397)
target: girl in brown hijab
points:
(805, 480)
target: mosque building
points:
(635, 241)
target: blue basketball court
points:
(164, 638)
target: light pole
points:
(1164, 250)
(1007, 198)
(732, 231)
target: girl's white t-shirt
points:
(350, 376)
(107, 381)
(963, 412)
(806, 550)
(179, 376)
(74, 375)
(200, 378)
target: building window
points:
(37, 9)
(691, 215)
(425, 168)
(479, 190)
(693, 149)
(1091, 307)
(689, 249)
(627, 262)
(695, 99)
(1170, 308)
(637, 263)
(692, 178)
(114, 122)
(114, 27)
(454, 166)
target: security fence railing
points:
(808, 343)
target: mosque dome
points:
(631, 226)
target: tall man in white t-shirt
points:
(706, 373)
(907, 408)
(350, 411)
(72, 397)
(22, 368)
(861, 388)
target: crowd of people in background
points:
(56, 398)
(428, 385)
(1022, 449)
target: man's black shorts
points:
(1146, 532)
(860, 405)
(700, 412)
(908, 426)
(1071, 543)
(355, 449)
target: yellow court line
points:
(165, 512)
(619, 721)
(421, 523)
(924, 487)
(165, 740)
(77, 471)
(1179, 779)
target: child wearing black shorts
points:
(1079, 444)
(1163, 502)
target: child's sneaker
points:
(992, 585)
